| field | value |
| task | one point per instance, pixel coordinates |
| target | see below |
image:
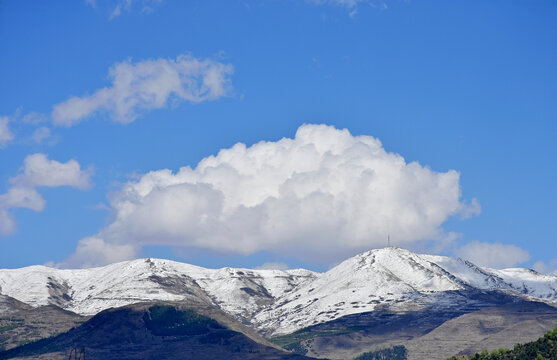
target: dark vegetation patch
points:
(164, 320)
(398, 352)
(293, 341)
(545, 348)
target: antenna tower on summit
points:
(389, 240)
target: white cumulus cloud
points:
(148, 84)
(319, 196)
(5, 133)
(495, 255)
(38, 171)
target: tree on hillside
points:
(545, 348)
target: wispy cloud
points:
(116, 8)
(38, 171)
(546, 268)
(345, 3)
(6, 134)
(34, 118)
(351, 5)
(495, 255)
(23, 127)
(273, 266)
(41, 134)
(147, 85)
(321, 195)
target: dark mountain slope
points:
(432, 334)
(348, 336)
(147, 331)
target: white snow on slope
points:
(396, 278)
(245, 292)
(95, 289)
(359, 284)
(530, 283)
(523, 281)
(274, 301)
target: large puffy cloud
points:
(39, 171)
(322, 195)
(148, 84)
(5, 133)
(495, 255)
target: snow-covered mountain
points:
(397, 279)
(240, 292)
(275, 301)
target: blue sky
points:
(469, 86)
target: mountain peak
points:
(392, 251)
(274, 300)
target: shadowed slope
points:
(146, 331)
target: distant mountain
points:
(154, 331)
(376, 299)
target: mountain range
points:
(379, 298)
